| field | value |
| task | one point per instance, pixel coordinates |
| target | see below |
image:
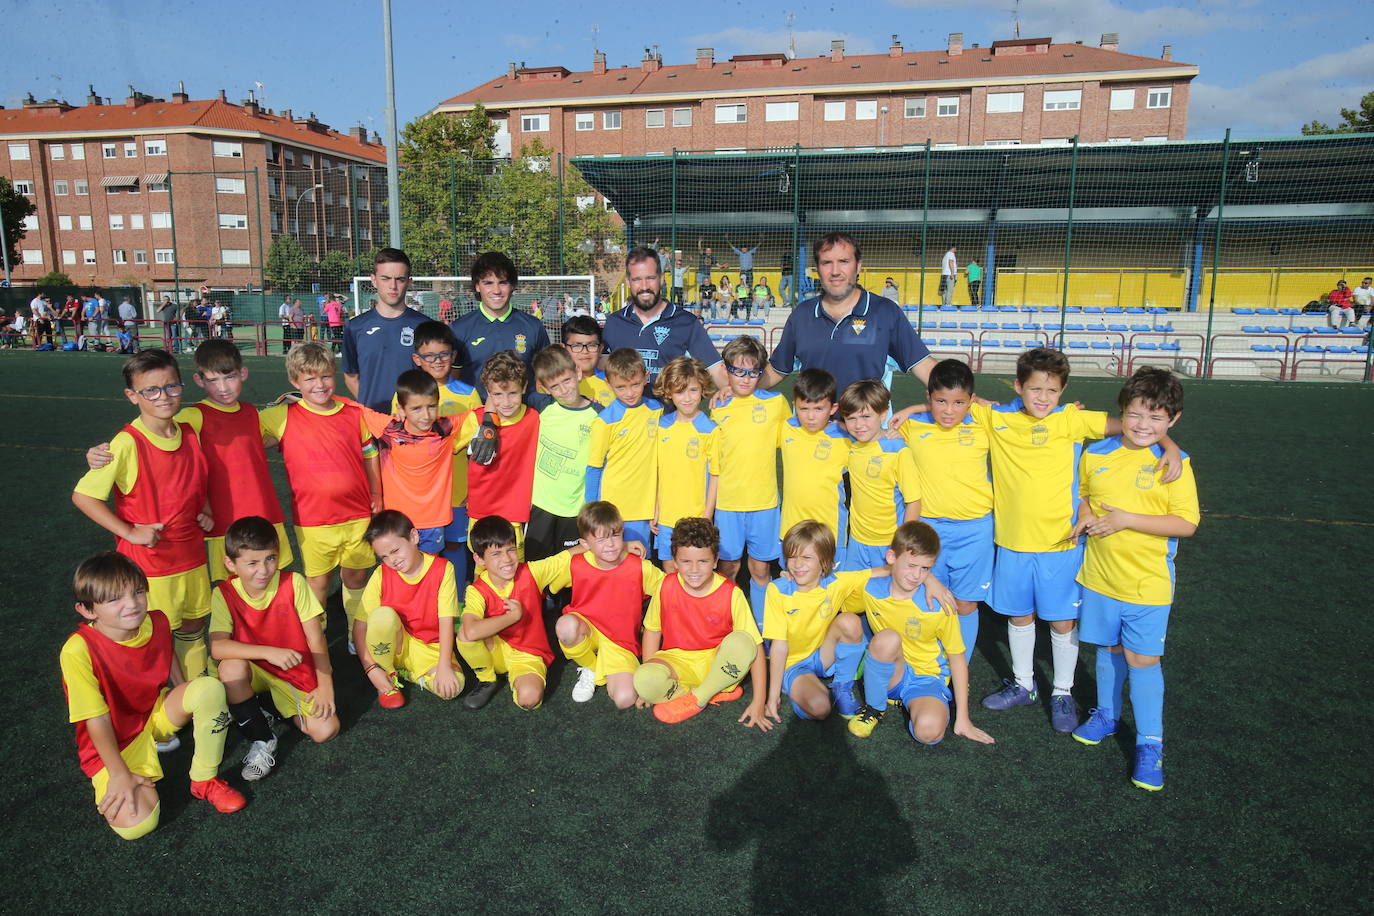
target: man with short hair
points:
(128, 319)
(746, 262)
(1341, 305)
(378, 344)
(496, 324)
(167, 314)
(949, 276)
(1363, 296)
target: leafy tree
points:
(14, 209)
(1352, 121)
(287, 263)
(440, 138)
(335, 270)
(52, 277)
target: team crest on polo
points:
(913, 627)
(858, 326)
(826, 609)
(661, 334)
(822, 451)
(520, 343)
(694, 447)
(965, 436)
(1040, 434)
(759, 414)
(407, 337)
(874, 469)
(1145, 477)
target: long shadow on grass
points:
(826, 829)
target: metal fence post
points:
(176, 255)
(1068, 238)
(1216, 254)
(798, 265)
(925, 229)
(453, 214)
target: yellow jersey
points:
(623, 447)
(748, 442)
(597, 388)
(953, 466)
(803, 617)
(688, 455)
(813, 468)
(882, 480)
(928, 637)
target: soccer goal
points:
(553, 299)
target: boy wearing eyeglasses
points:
(158, 507)
(582, 337)
(747, 508)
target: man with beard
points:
(658, 329)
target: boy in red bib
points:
(115, 671)
(267, 633)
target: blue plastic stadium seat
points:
(1262, 348)
(1147, 346)
(1275, 329)
(1312, 348)
(1101, 345)
(1243, 311)
(948, 342)
(1007, 308)
(949, 308)
(1135, 310)
(932, 307)
(1321, 330)
(1140, 327)
(1030, 326)
(1073, 310)
(1011, 343)
(1353, 330)
(1052, 326)
(968, 325)
(1029, 308)
(1166, 328)
(988, 325)
(1361, 349)
(1301, 329)
(1290, 311)
(1266, 311)
(1251, 329)
(1156, 310)
(1116, 327)
(987, 308)
(991, 343)
(1341, 350)
(968, 308)
(1096, 326)
(1011, 326)
(1092, 310)
(717, 338)
(947, 325)
(1078, 345)
(1073, 326)
(1170, 345)
(1113, 310)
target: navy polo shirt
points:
(858, 346)
(676, 332)
(377, 349)
(480, 337)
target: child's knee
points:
(529, 695)
(885, 646)
(382, 617)
(321, 730)
(622, 695)
(131, 826)
(816, 706)
(929, 731)
(234, 671)
(570, 630)
(849, 627)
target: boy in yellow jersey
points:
(815, 456)
(560, 463)
(600, 629)
(1035, 446)
(1133, 520)
(582, 337)
(158, 508)
(699, 637)
(688, 453)
(622, 464)
(884, 485)
(267, 633)
(747, 511)
(812, 638)
(411, 607)
(116, 669)
(915, 654)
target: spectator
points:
(295, 319)
(1364, 300)
(42, 320)
(890, 290)
(949, 275)
(167, 314)
(90, 311)
(284, 315)
(746, 262)
(763, 298)
(706, 262)
(788, 281)
(102, 313)
(744, 299)
(975, 282)
(333, 316)
(1341, 305)
(128, 320)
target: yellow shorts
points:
(215, 549)
(519, 536)
(181, 596)
(284, 696)
(415, 658)
(611, 658)
(141, 754)
(324, 548)
(690, 665)
(515, 664)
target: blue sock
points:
(1111, 678)
(847, 658)
(968, 629)
(756, 593)
(877, 675)
(458, 556)
(1147, 702)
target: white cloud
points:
(1086, 20)
(518, 41)
(809, 42)
(1281, 101)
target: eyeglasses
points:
(741, 372)
(446, 356)
(158, 392)
(583, 347)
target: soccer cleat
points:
(1097, 727)
(1149, 767)
(1063, 713)
(1011, 694)
(223, 797)
(481, 695)
(863, 724)
(166, 747)
(259, 760)
(392, 699)
(678, 709)
(727, 696)
(846, 705)
(585, 687)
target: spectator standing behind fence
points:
(167, 314)
(746, 262)
(333, 315)
(71, 313)
(706, 263)
(890, 290)
(975, 282)
(788, 280)
(128, 319)
(1341, 305)
(949, 275)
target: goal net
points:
(553, 299)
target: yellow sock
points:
(656, 683)
(478, 657)
(143, 827)
(582, 652)
(383, 628)
(191, 651)
(204, 700)
(352, 602)
(729, 666)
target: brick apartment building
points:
(1018, 92)
(109, 214)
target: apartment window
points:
(57, 151)
(290, 157)
(68, 256)
(59, 188)
(360, 173)
(78, 151)
(531, 124)
(585, 201)
(865, 111)
(610, 120)
(365, 233)
(947, 108)
(654, 117)
(364, 204)
(1003, 143)
(781, 111)
(229, 186)
(1063, 99)
(156, 186)
(307, 159)
(310, 227)
(83, 222)
(29, 223)
(228, 150)
(729, 151)
(731, 114)
(328, 197)
(154, 147)
(276, 222)
(160, 220)
(682, 117)
(233, 221)
(140, 256)
(130, 149)
(233, 256)
(945, 146)
(23, 186)
(116, 221)
(1123, 99)
(19, 151)
(64, 223)
(135, 220)
(1003, 102)
(108, 151)
(134, 188)
(584, 121)
(273, 186)
(121, 256)
(330, 230)
(33, 256)
(291, 191)
(88, 256)
(1156, 139)
(1159, 98)
(163, 256)
(1055, 141)
(915, 108)
(82, 187)
(834, 111)
(1118, 139)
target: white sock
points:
(1021, 640)
(1064, 649)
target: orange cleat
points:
(223, 797)
(392, 699)
(678, 709)
(726, 696)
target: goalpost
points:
(549, 297)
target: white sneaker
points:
(259, 760)
(171, 744)
(586, 685)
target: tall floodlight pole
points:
(393, 169)
(4, 247)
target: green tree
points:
(335, 270)
(287, 264)
(1352, 121)
(53, 278)
(14, 209)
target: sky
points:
(1267, 66)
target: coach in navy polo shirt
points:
(495, 324)
(378, 344)
(848, 331)
(658, 329)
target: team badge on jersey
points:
(1145, 477)
(1040, 434)
(694, 447)
(759, 414)
(661, 334)
(913, 627)
(520, 344)
(965, 436)
(407, 337)
(858, 326)
(874, 469)
(826, 610)
(822, 451)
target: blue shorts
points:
(1043, 584)
(457, 530)
(638, 530)
(1110, 621)
(663, 543)
(812, 664)
(432, 539)
(864, 556)
(913, 686)
(756, 531)
(965, 561)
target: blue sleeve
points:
(593, 484)
(350, 351)
(906, 346)
(699, 345)
(541, 339)
(785, 354)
